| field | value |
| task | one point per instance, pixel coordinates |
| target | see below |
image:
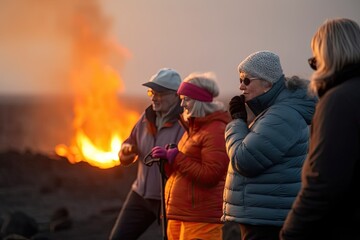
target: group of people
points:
(281, 161)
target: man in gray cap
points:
(157, 126)
(266, 153)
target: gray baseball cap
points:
(164, 80)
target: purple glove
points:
(158, 152)
(171, 154)
(164, 153)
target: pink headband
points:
(195, 92)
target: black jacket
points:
(328, 204)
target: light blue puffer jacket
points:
(264, 174)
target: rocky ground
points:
(62, 200)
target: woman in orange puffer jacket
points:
(198, 165)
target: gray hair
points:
(335, 45)
(208, 82)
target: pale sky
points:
(187, 35)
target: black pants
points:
(136, 215)
(253, 232)
(231, 231)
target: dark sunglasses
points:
(312, 63)
(246, 81)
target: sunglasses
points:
(152, 93)
(312, 62)
(246, 81)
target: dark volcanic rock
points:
(59, 195)
(20, 224)
(60, 220)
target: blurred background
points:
(71, 71)
(43, 41)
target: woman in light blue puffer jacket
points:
(267, 153)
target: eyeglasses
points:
(152, 93)
(246, 81)
(312, 62)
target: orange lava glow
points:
(101, 122)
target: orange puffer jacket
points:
(194, 191)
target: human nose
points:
(242, 86)
(182, 104)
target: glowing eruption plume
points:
(101, 122)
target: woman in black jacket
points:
(328, 204)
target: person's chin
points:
(155, 107)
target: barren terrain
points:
(38, 183)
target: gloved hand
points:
(158, 152)
(237, 108)
(165, 153)
(171, 154)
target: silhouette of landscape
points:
(66, 201)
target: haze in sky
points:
(138, 37)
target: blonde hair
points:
(207, 81)
(335, 45)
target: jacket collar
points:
(263, 101)
(346, 73)
(172, 118)
(195, 123)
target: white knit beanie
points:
(263, 64)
